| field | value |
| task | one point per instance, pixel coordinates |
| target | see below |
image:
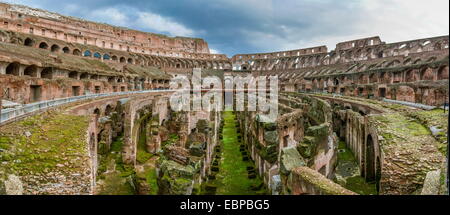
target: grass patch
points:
(232, 179)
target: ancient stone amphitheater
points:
(85, 110)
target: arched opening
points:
(84, 76)
(114, 58)
(97, 55)
(409, 77)
(381, 92)
(336, 81)
(426, 74)
(370, 159)
(106, 57)
(55, 48)
(130, 61)
(73, 75)
(47, 73)
(97, 112)
(43, 45)
(76, 52)
(108, 110)
(28, 42)
(13, 69)
(66, 50)
(373, 78)
(380, 54)
(87, 53)
(442, 73)
(31, 71)
(122, 60)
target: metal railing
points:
(12, 113)
(411, 104)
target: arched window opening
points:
(29, 42)
(77, 52)
(106, 57)
(108, 110)
(97, 112)
(97, 55)
(13, 69)
(442, 73)
(55, 48)
(31, 71)
(47, 73)
(43, 45)
(66, 50)
(87, 53)
(84, 76)
(73, 75)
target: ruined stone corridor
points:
(237, 175)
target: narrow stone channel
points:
(234, 177)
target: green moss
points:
(152, 181)
(232, 178)
(115, 184)
(359, 185)
(141, 153)
(344, 154)
(55, 139)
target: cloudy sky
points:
(251, 26)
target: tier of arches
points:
(249, 62)
(138, 59)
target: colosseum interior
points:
(85, 109)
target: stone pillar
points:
(38, 72)
(3, 68)
(22, 70)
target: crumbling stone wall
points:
(303, 127)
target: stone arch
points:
(47, 73)
(97, 112)
(106, 57)
(409, 76)
(43, 45)
(122, 60)
(114, 58)
(13, 69)
(73, 74)
(426, 74)
(84, 76)
(336, 81)
(87, 53)
(76, 52)
(97, 55)
(66, 50)
(31, 71)
(55, 48)
(442, 73)
(108, 110)
(130, 60)
(29, 42)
